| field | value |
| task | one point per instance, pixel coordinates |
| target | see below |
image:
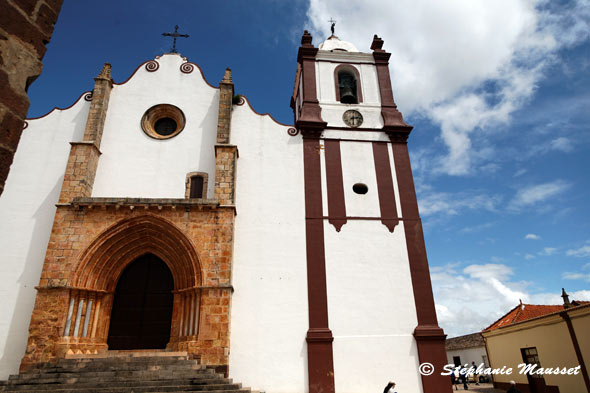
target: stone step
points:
(172, 388)
(121, 360)
(98, 382)
(141, 385)
(123, 372)
(120, 374)
(60, 368)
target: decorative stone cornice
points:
(141, 203)
(398, 134)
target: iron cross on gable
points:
(175, 35)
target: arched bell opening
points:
(141, 314)
(348, 85)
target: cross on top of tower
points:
(175, 35)
(333, 22)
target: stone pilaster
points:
(83, 160)
(98, 108)
(225, 174)
(226, 94)
(225, 154)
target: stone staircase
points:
(120, 372)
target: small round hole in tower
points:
(360, 188)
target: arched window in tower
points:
(348, 86)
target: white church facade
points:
(164, 213)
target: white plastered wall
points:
(332, 110)
(133, 164)
(468, 355)
(269, 316)
(27, 210)
(370, 297)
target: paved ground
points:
(482, 388)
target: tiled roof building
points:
(546, 336)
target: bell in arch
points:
(347, 86)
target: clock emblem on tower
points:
(352, 118)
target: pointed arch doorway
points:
(142, 307)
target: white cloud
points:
(470, 299)
(533, 195)
(562, 144)
(478, 228)
(532, 236)
(529, 257)
(576, 276)
(547, 251)
(467, 65)
(555, 298)
(451, 204)
(581, 252)
(579, 275)
(487, 289)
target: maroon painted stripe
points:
(309, 120)
(385, 191)
(414, 237)
(570, 328)
(319, 338)
(309, 80)
(430, 338)
(352, 218)
(335, 184)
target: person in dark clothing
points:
(463, 378)
(475, 373)
(389, 387)
(513, 388)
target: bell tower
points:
(369, 292)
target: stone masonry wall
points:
(225, 173)
(80, 171)
(25, 29)
(79, 231)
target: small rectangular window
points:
(196, 190)
(531, 356)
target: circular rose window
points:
(163, 121)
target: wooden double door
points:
(142, 306)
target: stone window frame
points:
(160, 111)
(352, 69)
(187, 183)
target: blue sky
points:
(498, 93)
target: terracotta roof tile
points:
(524, 312)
